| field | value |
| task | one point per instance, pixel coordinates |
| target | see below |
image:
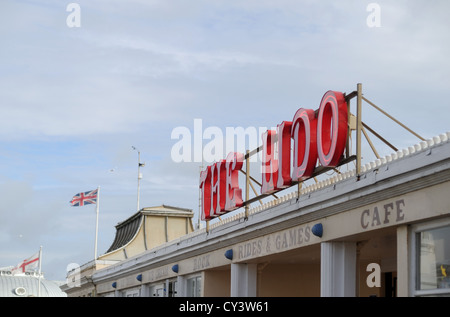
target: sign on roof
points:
(317, 136)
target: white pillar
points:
(181, 286)
(144, 291)
(402, 261)
(243, 280)
(338, 269)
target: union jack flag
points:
(85, 198)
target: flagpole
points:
(40, 268)
(96, 223)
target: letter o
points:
(303, 132)
(332, 128)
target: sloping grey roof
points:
(27, 285)
(125, 231)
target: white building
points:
(396, 215)
(381, 229)
(28, 284)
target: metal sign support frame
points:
(355, 123)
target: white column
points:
(145, 290)
(181, 286)
(166, 288)
(338, 269)
(402, 261)
(243, 280)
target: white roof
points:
(26, 285)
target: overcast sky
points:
(74, 100)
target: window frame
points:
(415, 254)
(198, 285)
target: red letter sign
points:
(218, 188)
(233, 192)
(320, 136)
(205, 186)
(269, 163)
(284, 155)
(304, 129)
(331, 128)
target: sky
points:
(81, 87)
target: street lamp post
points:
(139, 174)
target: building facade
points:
(383, 232)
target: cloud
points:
(116, 74)
(74, 100)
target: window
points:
(173, 288)
(431, 252)
(159, 292)
(156, 290)
(132, 293)
(194, 286)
